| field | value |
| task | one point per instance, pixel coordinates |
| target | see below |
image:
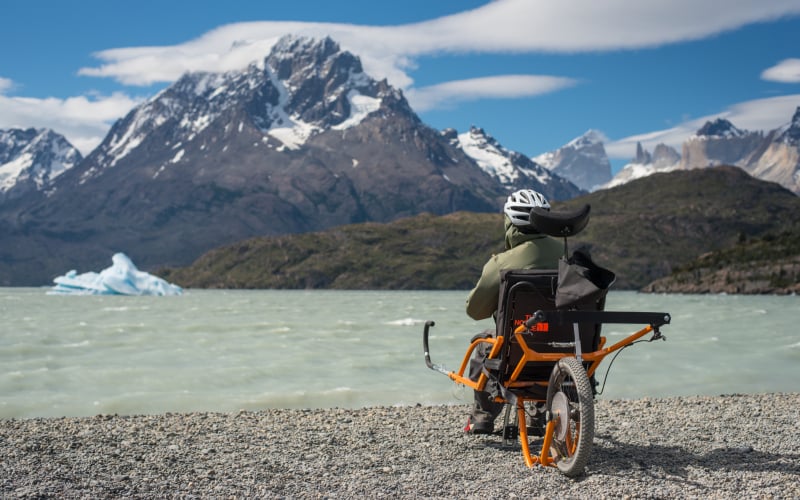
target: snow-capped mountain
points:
(31, 160)
(301, 141)
(774, 156)
(583, 161)
(719, 143)
(302, 88)
(790, 133)
(778, 159)
(663, 159)
(511, 169)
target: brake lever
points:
(657, 335)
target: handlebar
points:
(654, 319)
(431, 365)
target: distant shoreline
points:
(650, 289)
(726, 446)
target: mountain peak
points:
(719, 128)
(294, 57)
(291, 45)
(479, 136)
(511, 169)
(642, 155)
(583, 161)
(791, 135)
(303, 87)
(30, 159)
(589, 138)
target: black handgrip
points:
(428, 325)
(538, 317)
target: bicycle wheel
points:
(571, 404)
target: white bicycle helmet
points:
(519, 204)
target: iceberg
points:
(122, 278)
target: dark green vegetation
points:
(770, 264)
(642, 230)
(421, 252)
(647, 228)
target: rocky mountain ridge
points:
(774, 156)
(719, 143)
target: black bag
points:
(581, 281)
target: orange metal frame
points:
(530, 355)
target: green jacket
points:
(523, 251)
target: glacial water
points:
(229, 350)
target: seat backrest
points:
(522, 293)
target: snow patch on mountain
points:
(547, 160)
(294, 135)
(10, 171)
(489, 155)
(360, 107)
(633, 171)
(508, 167)
(143, 120)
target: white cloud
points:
(786, 71)
(84, 121)
(498, 27)
(492, 87)
(760, 114)
(5, 85)
(391, 52)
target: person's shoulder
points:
(541, 240)
(554, 242)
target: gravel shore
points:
(732, 446)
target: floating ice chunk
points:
(122, 278)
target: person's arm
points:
(482, 300)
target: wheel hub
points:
(561, 413)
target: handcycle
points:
(547, 347)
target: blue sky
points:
(533, 73)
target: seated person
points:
(526, 248)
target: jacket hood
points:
(516, 237)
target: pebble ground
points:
(731, 446)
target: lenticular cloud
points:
(122, 278)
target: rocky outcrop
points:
(780, 159)
(781, 278)
(719, 143)
(663, 159)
